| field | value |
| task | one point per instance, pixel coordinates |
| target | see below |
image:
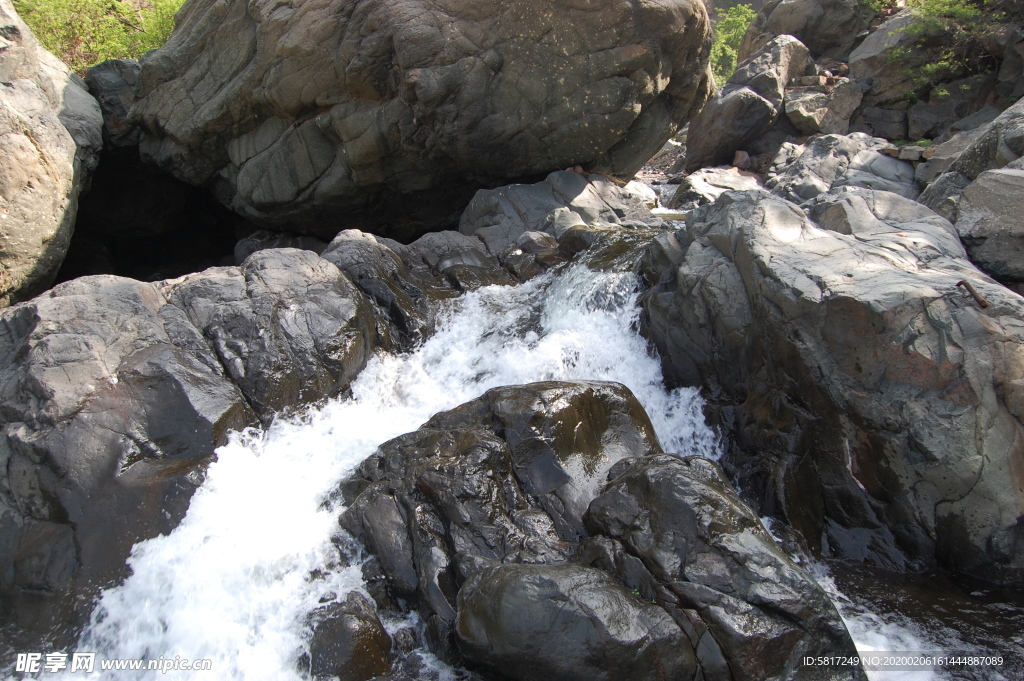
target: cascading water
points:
(233, 582)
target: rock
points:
(893, 79)
(911, 152)
(288, 327)
(834, 161)
(741, 160)
(707, 184)
(978, 119)
(690, 529)
(747, 105)
(869, 401)
(391, 114)
(947, 104)
(989, 222)
(827, 27)
(943, 194)
(50, 141)
(819, 110)
(526, 622)
(498, 217)
(940, 156)
(262, 240)
(349, 642)
(888, 123)
(113, 83)
(1011, 71)
(497, 520)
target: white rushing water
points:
(232, 582)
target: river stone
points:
(989, 222)
(50, 141)
(747, 105)
(391, 113)
(828, 28)
(712, 554)
(565, 199)
(349, 642)
(527, 622)
(817, 109)
(871, 402)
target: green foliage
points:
(730, 25)
(86, 32)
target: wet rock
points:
(820, 109)
(569, 622)
(747, 105)
(827, 27)
(870, 400)
(389, 115)
(288, 327)
(707, 184)
(566, 199)
(988, 221)
(50, 141)
(712, 555)
(349, 642)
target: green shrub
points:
(730, 25)
(86, 32)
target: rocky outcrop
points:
(349, 642)
(871, 402)
(49, 145)
(827, 27)
(390, 114)
(801, 172)
(747, 105)
(707, 184)
(823, 108)
(544, 519)
(891, 79)
(989, 222)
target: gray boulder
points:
(545, 518)
(939, 157)
(566, 199)
(828, 28)
(50, 141)
(888, 123)
(113, 83)
(391, 114)
(707, 184)
(747, 105)
(870, 401)
(823, 109)
(989, 222)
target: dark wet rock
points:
(349, 642)
(50, 141)
(391, 113)
(869, 400)
(527, 622)
(490, 519)
(565, 199)
(708, 552)
(288, 327)
(828, 28)
(747, 106)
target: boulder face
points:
(542, 533)
(829, 28)
(871, 402)
(390, 113)
(43, 171)
(988, 221)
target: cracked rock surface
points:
(391, 113)
(872, 404)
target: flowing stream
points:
(232, 583)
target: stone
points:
(261, 240)
(526, 622)
(1011, 71)
(50, 139)
(390, 114)
(565, 199)
(821, 110)
(349, 642)
(938, 157)
(747, 105)
(947, 104)
(707, 184)
(828, 28)
(868, 401)
(888, 123)
(113, 83)
(989, 222)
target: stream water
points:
(232, 583)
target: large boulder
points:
(823, 108)
(391, 114)
(747, 105)
(989, 222)
(50, 141)
(891, 79)
(541, 532)
(871, 402)
(828, 28)
(707, 184)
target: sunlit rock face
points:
(389, 114)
